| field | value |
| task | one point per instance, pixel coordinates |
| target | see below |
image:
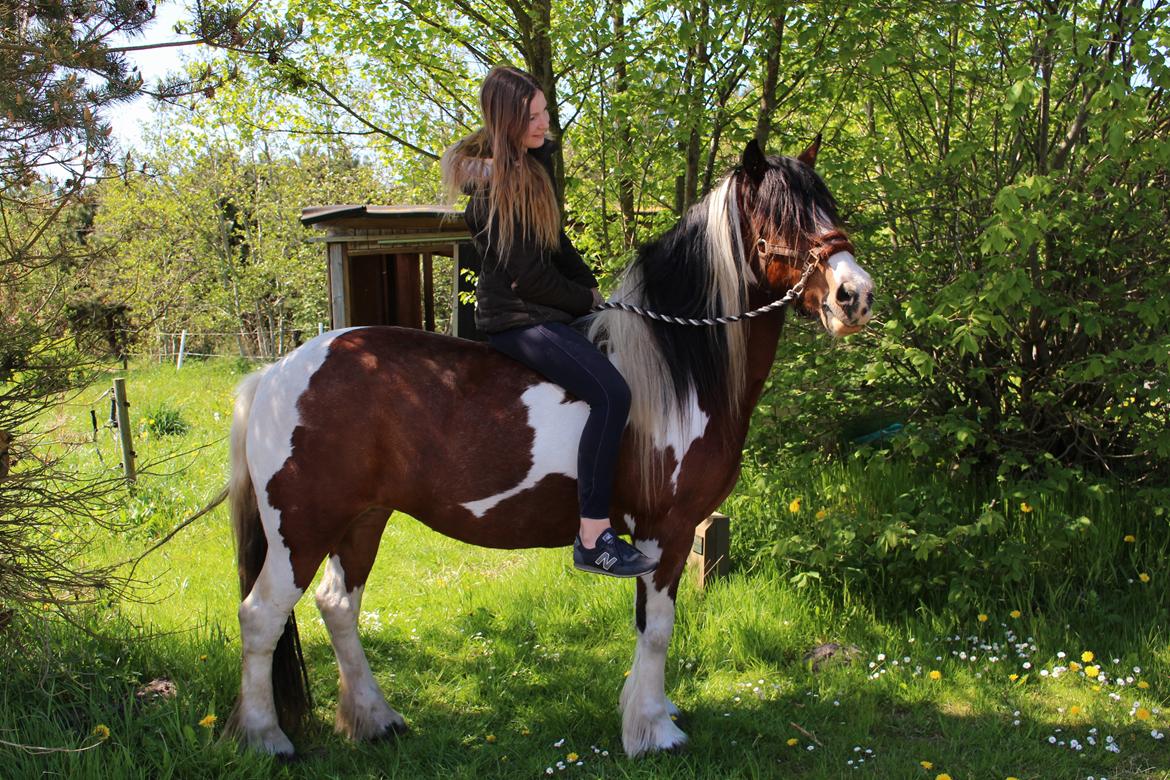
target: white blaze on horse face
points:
(849, 304)
(556, 427)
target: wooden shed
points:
(381, 262)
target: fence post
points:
(182, 349)
(122, 408)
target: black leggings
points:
(567, 358)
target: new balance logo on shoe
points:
(606, 561)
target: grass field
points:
(509, 664)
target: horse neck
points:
(763, 334)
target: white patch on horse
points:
(556, 433)
(681, 433)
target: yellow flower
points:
(1096, 689)
(525, 732)
(1087, 656)
(1144, 577)
(935, 674)
(1073, 666)
(1013, 677)
(982, 618)
(207, 721)
(1129, 539)
(1015, 613)
(491, 738)
(1025, 507)
(203, 658)
(792, 741)
(1074, 710)
(794, 506)
(571, 757)
(101, 731)
(1142, 714)
(1012, 777)
(822, 514)
(943, 776)
(926, 765)
(1143, 684)
(1091, 671)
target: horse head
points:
(791, 234)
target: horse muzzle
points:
(849, 304)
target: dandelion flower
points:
(1025, 507)
(942, 776)
(203, 658)
(1129, 539)
(794, 506)
(101, 731)
(1144, 577)
(822, 514)
(1013, 677)
(926, 765)
(792, 741)
(1143, 684)
(1087, 656)
(935, 674)
(490, 738)
(1073, 666)
(1091, 671)
(983, 618)
(1074, 710)
(524, 732)
(208, 721)
(571, 757)
(1142, 714)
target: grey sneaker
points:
(612, 556)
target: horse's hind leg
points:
(362, 711)
(263, 617)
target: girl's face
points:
(537, 121)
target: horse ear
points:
(753, 161)
(809, 155)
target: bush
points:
(165, 421)
(876, 525)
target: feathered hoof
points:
(661, 736)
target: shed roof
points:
(435, 218)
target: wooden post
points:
(123, 412)
(182, 349)
(711, 548)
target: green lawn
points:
(506, 663)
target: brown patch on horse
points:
(421, 406)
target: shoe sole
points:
(593, 570)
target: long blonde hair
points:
(520, 192)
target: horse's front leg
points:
(646, 712)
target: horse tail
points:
(290, 677)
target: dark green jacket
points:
(551, 286)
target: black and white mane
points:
(699, 268)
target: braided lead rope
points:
(789, 296)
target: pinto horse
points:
(315, 479)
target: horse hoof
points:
(287, 759)
(393, 732)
